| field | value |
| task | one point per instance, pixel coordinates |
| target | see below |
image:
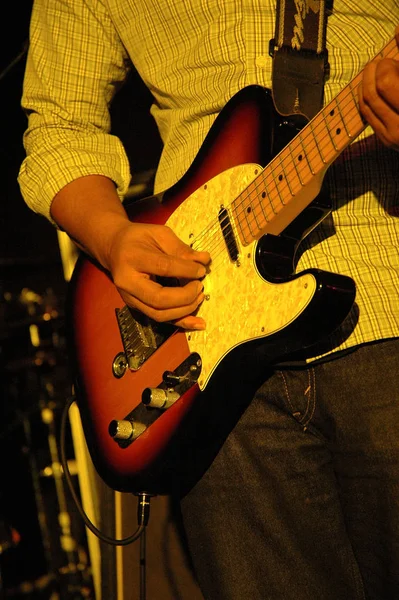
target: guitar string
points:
(333, 119)
(267, 182)
(260, 185)
(213, 234)
(270, 170)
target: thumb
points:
(173, 245)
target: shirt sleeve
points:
(76, 62)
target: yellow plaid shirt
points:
(194, 55)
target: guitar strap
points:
(300, 58)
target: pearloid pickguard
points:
(240, 305)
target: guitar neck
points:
(277, 195)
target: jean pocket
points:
(300, 394)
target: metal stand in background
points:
(74, 577)
(54, 552)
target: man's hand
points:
(89, 210)
(379, 98)
(138, 254)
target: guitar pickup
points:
(228, 234)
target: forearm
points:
(90, 211)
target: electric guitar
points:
(135, 379)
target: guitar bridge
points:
(141, 337)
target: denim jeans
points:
(302, 499)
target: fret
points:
(345, 109)
(247, 213)
(273, 198)
(258, 204)
(353, 94)
(342, 114)
(289, 174)
(323, 142)
(245, 234)
(237, 211)
(261, 204)
(352, 107)
(293, 161)
(278, 179)
(250, 205)
(336, 126)
(285, 175)
(256, 209)
(305, 154)
(330, 132)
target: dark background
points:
(35, 378)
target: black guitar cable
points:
(143, 509)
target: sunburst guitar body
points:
(250, 197)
